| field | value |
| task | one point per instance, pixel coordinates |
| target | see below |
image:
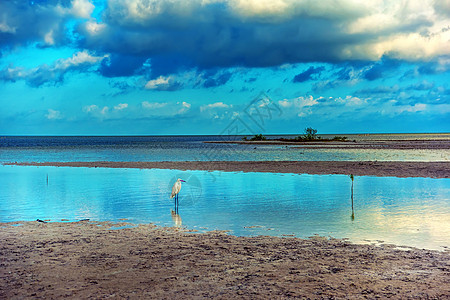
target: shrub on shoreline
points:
(258, 137)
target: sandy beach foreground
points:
(90, 260)
(362, 168)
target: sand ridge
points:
(357, 168)
(368, 144)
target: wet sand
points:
(369, 168)
(89, 260)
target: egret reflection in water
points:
(177, 221)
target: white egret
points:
(175, 190)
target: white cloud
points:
(155, 83)
(5, 28)
(96, 111)
(53, 114)
(49, 39)
(78, 59)
(411, 30)
(215, 105)
(137, 11)
(104, 110)
(165, 108)
(163, 84)
(261, 7)
(94, 28)
(393, 108)
(90, 108)
(218, 110)
(388, 16)
(350, 101)
(121, 106)
(82, 8)
(298, 102)
(153, 105)
(184, 107)
(301, 106)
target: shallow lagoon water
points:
(403, 211)
(182, 148)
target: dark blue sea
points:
(191, 148)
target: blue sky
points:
(193, 67)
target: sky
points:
(153, 67)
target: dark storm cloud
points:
(24, 22)
(217, 80)
(161, 38)
(180, 35)
(344, 73)
(166, 64)
(308, 74)
(382, 69)
(214, 35)
(121, 65)
(119, 88)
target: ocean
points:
(193, 148)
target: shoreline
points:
(90, 260)
(357, 168)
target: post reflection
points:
(353, 210)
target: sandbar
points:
(436, 144)
(357, 168)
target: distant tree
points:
(310, 134)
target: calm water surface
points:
(182, 148)
(403, 211)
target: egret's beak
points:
(182, 180)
